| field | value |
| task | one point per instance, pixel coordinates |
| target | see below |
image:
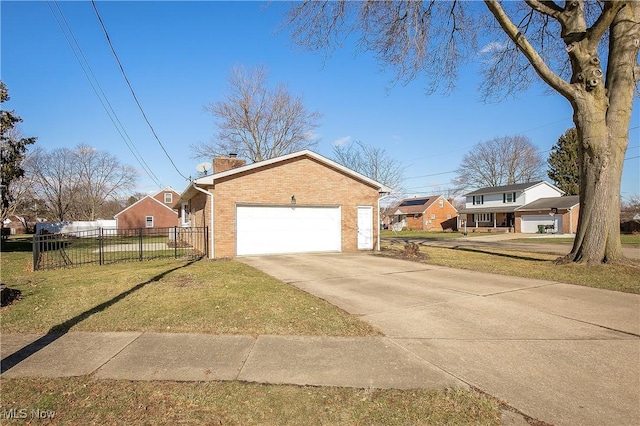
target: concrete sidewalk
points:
(376, 362)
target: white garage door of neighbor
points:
(530, 223)
(275, 230)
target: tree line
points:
(62, 184)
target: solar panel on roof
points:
(416, 202)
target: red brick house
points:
(432, 213)
(298, 203)
(152, 211)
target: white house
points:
(494, 207)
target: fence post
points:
(140, 240)
(101, 246)
(36, 251)
(206, 242)
(175, 242)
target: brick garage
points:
(258, 207)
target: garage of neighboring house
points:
(298, 203)
(556, 215)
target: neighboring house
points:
(494, 207)
(300, 202)
(13, 225)
(433, 213)
(152, 211)
(558, 215)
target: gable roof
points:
(144, 198)
(167, 189)
(415, 205)
(512, 188)
(210, 180)
(567, 202)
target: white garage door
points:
(273, 230)
(530, 223)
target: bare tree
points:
(101, 178)
(559, 44)
(76, 184)
(257, 122)
(500, 161)
(374, 163)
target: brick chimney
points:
(223, 163)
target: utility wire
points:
(133, 93)
(102, 97)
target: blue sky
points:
(177, 56)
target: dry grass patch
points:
(214, 297)
(87, 401)
(529, 265)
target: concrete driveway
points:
(559, 353)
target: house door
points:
(365, 228)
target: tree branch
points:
(541, 68)
(597, 30)
(546, 7)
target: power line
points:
(102, 97)
(115, 55)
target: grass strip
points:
(541, 266)
(84, 400)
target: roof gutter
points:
(212, 252)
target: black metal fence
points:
(104, 246)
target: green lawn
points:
(632, 240)
(542, 266)
(84, 400)
(216, 297)
(421, 234)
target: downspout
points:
(571, 220)
(212, 253)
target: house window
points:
(168, 198)
(478, 199)
(416, 215)
(482, 217)
(433, 216)
(148, 221)
(509, 197)
(441, 203)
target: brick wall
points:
(441, 222)
(135, 216)
(311, 182)
(174, 197)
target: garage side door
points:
(274, 230)
(530, 223)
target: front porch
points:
(497, 221)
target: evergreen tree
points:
(12, 152)
(563, 163)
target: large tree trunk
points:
(602, 116)
(601, 157)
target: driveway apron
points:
(559, 353)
